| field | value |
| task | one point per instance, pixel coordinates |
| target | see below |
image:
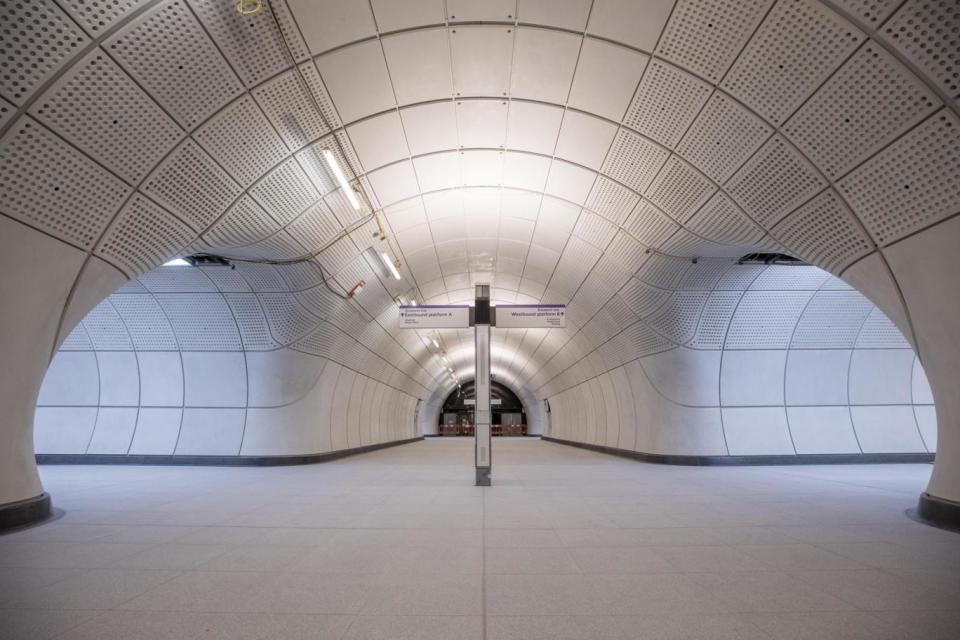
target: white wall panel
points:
(817, 377)
(887, 429)
(757, 431)
(72, 379)
(161, 379)
(822, 430)
(752, 378)
(157, 431)
(212, 432)
(114, 430)
(119, 378)
(214, 379)
(893, 386)
(63, 429)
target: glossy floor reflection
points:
(397, 544)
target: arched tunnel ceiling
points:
(537, 145)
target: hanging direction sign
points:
(434, 317)
(535, 316)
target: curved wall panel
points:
(179, 362)
(781, 360)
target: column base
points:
(939, 512)
(24, 512)
(483, 476)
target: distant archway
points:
(456, 415)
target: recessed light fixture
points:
(389, 264)
(341, 179)
(177, 262)
(436, 345)
(413, 302)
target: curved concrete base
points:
(24, 512)
(771, 460)
(939, 512)
(215, 461)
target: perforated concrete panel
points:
(775, 74)
(911, 184)
(926, 33)
(241, 139)
(39, 40)
(48, 184)
(868, 103)
(191, 185)
(99, 108)
(706, 35)
(723, 136)
(142, 235)
(194, 79)
(774, 182)
(666, 102)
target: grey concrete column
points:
(482, 412)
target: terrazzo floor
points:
(397, 544)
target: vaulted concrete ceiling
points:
(533, 144)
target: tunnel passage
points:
(508, 417)
(589, 152)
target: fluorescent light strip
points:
(389, 263)
(177, 262)
(341, 179)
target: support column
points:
(482, 416)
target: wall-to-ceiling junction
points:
(581, 152)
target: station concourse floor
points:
(397, 544)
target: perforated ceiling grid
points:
(714, 319)
(290, 110)
(145, 321)
(831, 320)
(101, 110)
(245, 223)
(666, 102)
(765, 320)
(106, 330)
(252, 45)
(46, 183)
(911, 184)
(864, 106)
(824, 232)
(705, 36)
(611, 200)
(723, 137)
(774, 182)
(648, 225)
(871, 12)
(37, 40)
(242, 141)
(285, 192)
(722, 221)
(679, 189)
(143, 235)
(798, 45)
(634, 160)
(927, 32)
(191, 185)
(216, 332)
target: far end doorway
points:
(456, 416)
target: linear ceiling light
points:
(389, 263)
(177, 262)
(341, 178)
